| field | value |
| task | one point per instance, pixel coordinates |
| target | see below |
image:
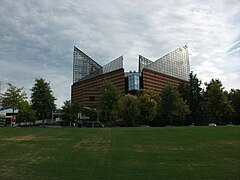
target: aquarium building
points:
(88, 75)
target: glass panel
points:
(113, 65)
(175, 63)
(143, 62)
(133, 81)
(82, 65)
(85, 68)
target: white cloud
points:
(37, 37)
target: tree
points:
(70, 111)
(148, 106)
(183, 89)
(195, 97)
(235, 102)
(109, 102)
(42, 99)
(192, 93)
(218, 105)
(26, 113)
(12, 98)
(130, 109)
(173, 105)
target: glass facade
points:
(175, 63)
(113, 65)
(82, 65)
(85, 68)
(133, 80)
(143, 62)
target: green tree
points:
(172, 104)
(109, 105)
(195, 97)
(235, 102)
(217, 102)
(12, 98)
(70, 111)
(148, 106)
(130, 109)
(26, 113)
(183, 89)
(192, 92)
(42, 99)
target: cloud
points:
(233, 48)
(37, 37)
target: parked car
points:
(144, 125)
(88, 123)
(212, 124)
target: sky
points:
(37, 38)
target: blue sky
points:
(37, 37)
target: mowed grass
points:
(120, 153)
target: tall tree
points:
(26, 113)
(130, 109)
(192, 93)
(235, 102)
(195, 97)
(109, 102)
(70, 111)
(12, 98)
(148, 106)
(218, 105)
(42, 99)
(183, 89)
(172, 104)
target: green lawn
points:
(120, 153)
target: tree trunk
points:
(43, 121)
(171, 119)
(110, 121)
(12, 118)
(219, 121)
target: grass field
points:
(120, 153)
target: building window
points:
(133, 82)
(91, 98)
